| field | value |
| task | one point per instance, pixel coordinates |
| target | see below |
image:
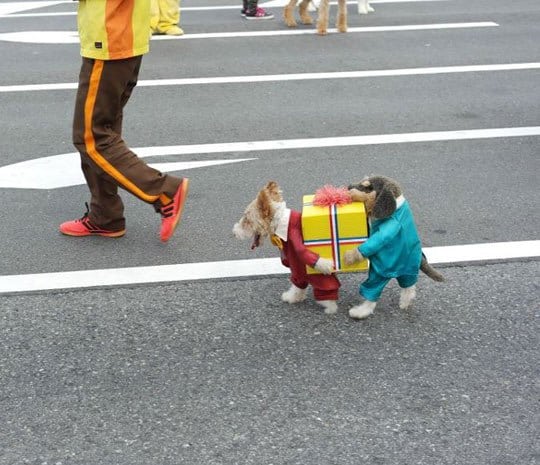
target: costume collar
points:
(281, 222)
(400, 201)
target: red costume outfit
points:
(295, 255)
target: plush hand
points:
(352, 256)
(358, 196)
(324, 266)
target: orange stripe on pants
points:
(90, 143)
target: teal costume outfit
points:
(394, 251)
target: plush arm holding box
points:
(352, 256)
(324, 266)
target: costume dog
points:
(393, 246)
(322, 20)
(268, 216)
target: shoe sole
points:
(183, 195)
(109, 234)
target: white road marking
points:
(294, 76)
(71, 37)
(11, 7)
(64, 170)
(238, 268)
(8, 10)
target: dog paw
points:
(294, 295)
(322, 30)
(330, 306)
(406, 297)
(362, 311)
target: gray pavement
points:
(224, 373)
(221, 372)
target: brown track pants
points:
(106, 161)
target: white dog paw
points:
(362, 311)
(330, 306)
(406, 297)
(294, 295)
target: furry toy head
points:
(257, 222)
(379, 194)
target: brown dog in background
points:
(322, 20)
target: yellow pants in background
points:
(164, 15)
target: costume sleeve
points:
(296, 241)
(386, 232)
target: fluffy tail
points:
(429, 270)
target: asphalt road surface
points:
(215, 369)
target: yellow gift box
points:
(332, 230)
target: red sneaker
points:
(84, 227)
(171, 213)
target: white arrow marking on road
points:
(72, 37)
(469, 253)
(64, 170)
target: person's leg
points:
(106, 207)
(169, 17)
(253, 11)
(154, 16)
(97, 136)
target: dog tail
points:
(429, 270)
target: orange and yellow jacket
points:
(114, 29)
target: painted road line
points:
(469, 253)
(294, 76)
(38, 174)
(64, 170)
(72, 37)
(11, 9)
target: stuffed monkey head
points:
(379, 194)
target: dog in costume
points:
(267, 216)
(393, 247)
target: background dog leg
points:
(322, 20)
(304, 15)
(362, 311)
(406, 297)
(288, 13)
(341, 20)
(294, 295)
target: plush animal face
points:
(257, 221)
(379, 194)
